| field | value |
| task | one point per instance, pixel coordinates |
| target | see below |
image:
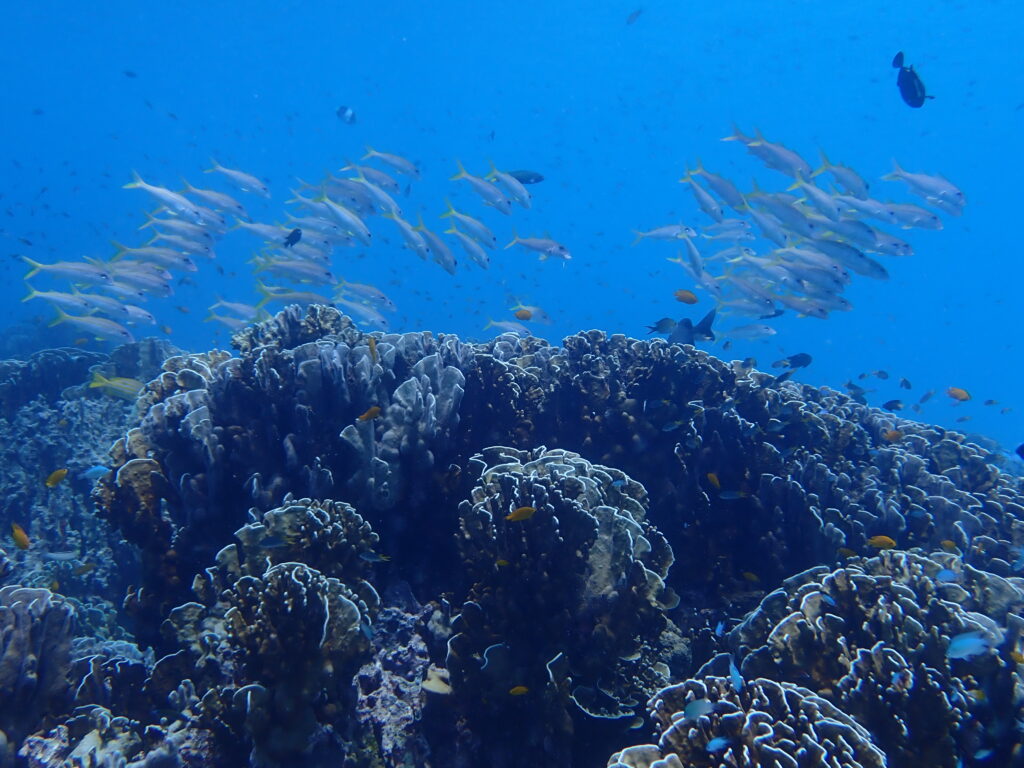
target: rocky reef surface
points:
(338, 548)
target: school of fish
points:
(302, 251)
(765, 253)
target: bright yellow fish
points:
(54, 478)
(522, 513)
(881, 542)
(21, 540)
(518, 690)
(116, 386)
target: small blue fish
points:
(945, 576)
(94, 472)
(719, 629)
(698, 708)
(735, 676)
(718, 744)
(968, 645)
(618, 483)
(373, 557)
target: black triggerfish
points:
(909, 82)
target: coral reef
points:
(36, 627)
(874, 636)
(568, 599)
(45, 374)
(706, 723)
(534, 597)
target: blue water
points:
(611, 113)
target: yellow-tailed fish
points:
(116, 386)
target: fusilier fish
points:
(244, 181)
(487, 191)
(472, 248)
(927, 186)
(512, 187)
(545, 246)
(97, 326)
(475, 228)
(217, 200)
(397, 162)
(439, 250)
(76, 270)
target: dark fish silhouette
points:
(293, 237)
(909, 82)
(799, 360)
(665, 325)
(526, 177)
(686, 332)
(1020, 451)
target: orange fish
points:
(21, 539)
(752, 577)
(520, 514)
(522, 314)
(713, 479)
(372, 344)
(958, 394)
(846, 552)
(882, 542)
(948, 545)
(53, 479)
(371, 413)
(518, 690)
(687, 297)
(892, 435)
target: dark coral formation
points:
(567, 606)
(36, 628)
(765, 724)
(875, 636)
(530, 593)
(45, 374)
